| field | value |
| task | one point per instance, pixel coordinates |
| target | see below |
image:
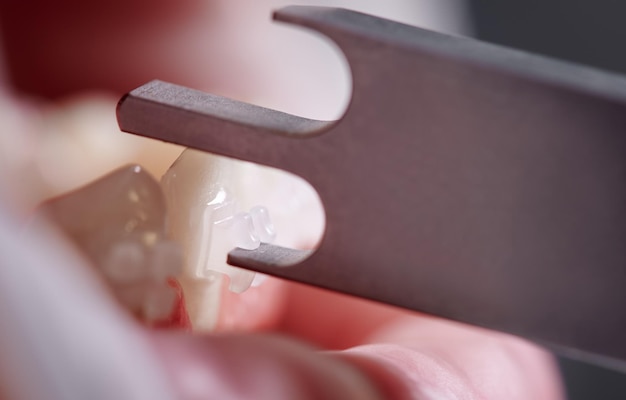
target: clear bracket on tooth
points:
(244, 230)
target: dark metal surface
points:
(465, 180)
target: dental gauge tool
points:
(500, 178)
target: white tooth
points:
(197, 196)
(165, 261)
(263, 226)
(159, 302)
(201, 190)
(202, 297)
(204, 219)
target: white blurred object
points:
(61, 336)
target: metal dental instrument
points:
(494, 180)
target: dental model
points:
(205, 194)
(119, 224)
(153, 243)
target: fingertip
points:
(483, 372)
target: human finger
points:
(435, 359)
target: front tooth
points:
(201, 190)
(166, 260)
(202, 215)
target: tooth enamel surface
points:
(204, 221)
(207, 198)
(125, 263)
(119, 223)
(158, 302)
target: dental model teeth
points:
(207, 196)
(119, 223)
(207, 222)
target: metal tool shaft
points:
(465, 180)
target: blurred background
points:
(64, 64)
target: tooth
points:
(202, 298)
(204, 195)
(125, 263)
(119, 223)
(166, 260)
(204, 219)
(158, 302)
(196, 198)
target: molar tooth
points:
(158, 302)
(125, 263)
(98, 215)
(203, 192)
(119, 223)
